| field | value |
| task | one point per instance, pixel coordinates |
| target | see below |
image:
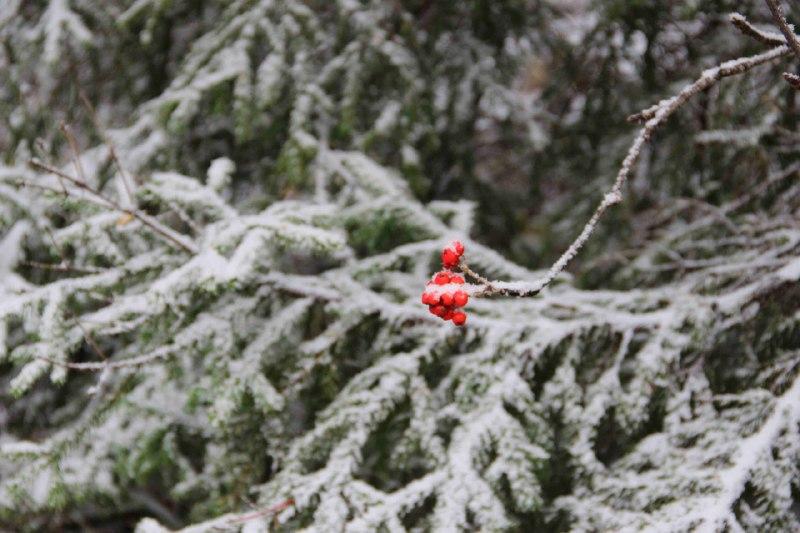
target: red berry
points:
(458, 247)
(428, 298)
(449, 258)
(460, 298)
(437, 310)
(448, 314)
(459, 318)
(447, 299)
(458, 280)
(442, 278)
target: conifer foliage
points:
(217, 218)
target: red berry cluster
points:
(443, 294)
(451, 254)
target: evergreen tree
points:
(217, 219)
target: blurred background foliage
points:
(519, 105)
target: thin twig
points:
(736, 204)
(91, 342)
(161, 353)
(710, 76)
(97, 197)
(744, 26)
(184, 216)
(792, 79)
(54, 242)
(112, 149)
(278, 507)
(777, 15)
(169, 234)
(715, 212)
(468, 271)
(47, 188)
(63, 268)
(41, 151)
(653, 117)
(65, 265)
(73, 148)
(22, 183)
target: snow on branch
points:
(226, 334)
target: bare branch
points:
(653, 117)
(82, 185)
(167, 233)
(777, 14)
(659, 115)
(278, 507)
(160, 353)
(91, 342)
(744, 26)
(63, 267)
(73, 147)
(127, 182)
(54, 242)
(711, 76)
(184, 216)
(792, 79)
(468, 271)
(23, 183)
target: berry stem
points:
(469, 272)
(491, 288)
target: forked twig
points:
(652, 117)
(779, 18)
(791, 39)
(165, 232)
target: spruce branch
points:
(288, 359)
(718, 512)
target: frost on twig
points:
(764, 37)
(790, 38)
(653, 117)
